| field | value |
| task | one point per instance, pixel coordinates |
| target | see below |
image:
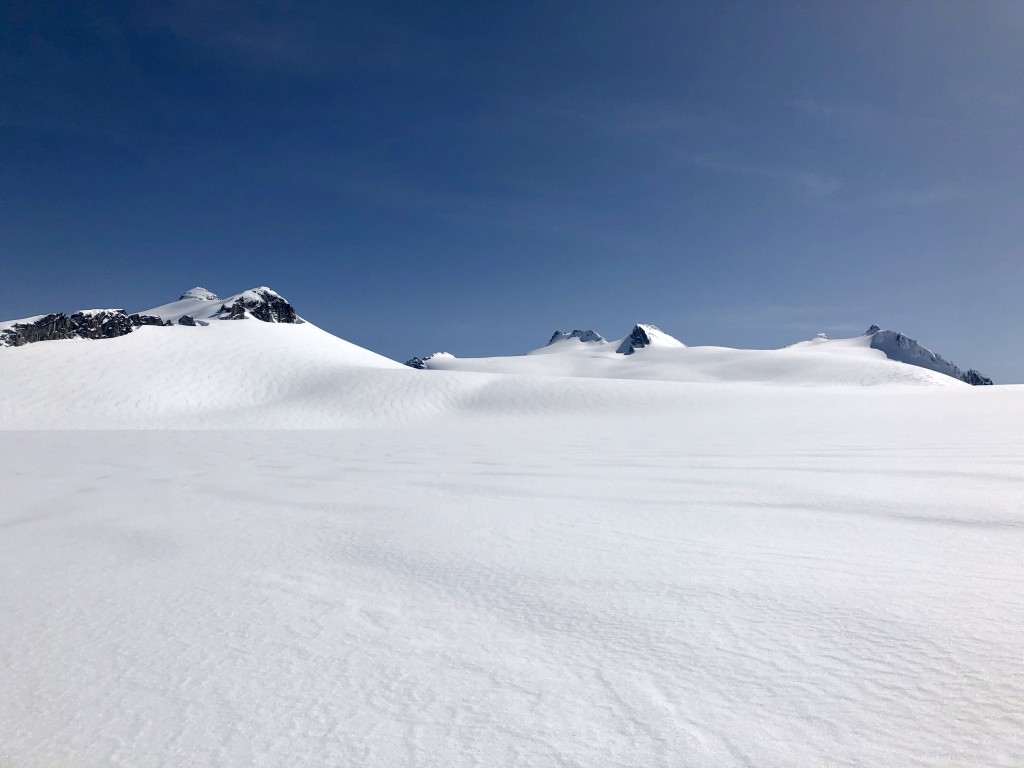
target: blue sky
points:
(471, 176)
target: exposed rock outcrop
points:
(638, 339)
(86, 324)
(260, 303)
(420, 363)
(975, 379)
(139, 320)
(263, 304)
(583, 336)
(644, 335)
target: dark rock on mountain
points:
(420, 363)
(87, 324)
(584, 336)
(52, 326)
(975, 379)
(235, 312)
(102, 324)
(263, 304)
(637, 339)
(140, 320)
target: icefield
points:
(252, 544)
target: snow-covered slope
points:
(250, 361)
(650, 354)
(896, 346)
(237, 374)
(462, 569)
(201, 360)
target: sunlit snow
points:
(254, 544)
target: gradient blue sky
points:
(470, 176)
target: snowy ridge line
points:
(896, 346)
(649, 353)
(195, 307)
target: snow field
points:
(736, 576)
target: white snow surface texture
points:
(819, 361)
(254, 544)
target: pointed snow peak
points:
(583, 336)
(644, 335)
(872, 330)
(199, 293)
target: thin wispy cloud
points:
(811, 183)
(272, 35)
(929, 195)
(866, 118)
(627, 119)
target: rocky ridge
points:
(261, 304)
(584, 336)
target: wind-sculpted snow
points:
(619, 573)
(256, 544)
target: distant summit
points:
(199, 306)
(576, 341)
(583, 336)
(199, 293)
(649, 353)
(897, 346)
(262, 303)
(645, 336)
(195, 307)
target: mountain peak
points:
(262, 303)
(900, 347)
(644, 335)
(199, 293)
(583, 336)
